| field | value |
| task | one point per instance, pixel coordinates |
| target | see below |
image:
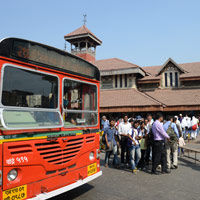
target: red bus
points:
(49, 120)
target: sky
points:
(144, 32)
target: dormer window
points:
(170, 74)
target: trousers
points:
(142, 163)
(159, 155)
(135, 155)
(172, 149)
(124, 149)
(115, 158)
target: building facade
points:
(129, 88)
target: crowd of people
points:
(143, 141)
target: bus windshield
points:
(80, 103)
(29, 99)
(24, 88)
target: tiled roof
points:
(150, 78)
(125, 97)
(191, 70)
(151, 73)
(81, 31)
(152, 70)
(114, 64)
(178, 97)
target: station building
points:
(129, 88)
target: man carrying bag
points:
(172, 144)
(111, 144)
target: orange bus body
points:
(48, 166)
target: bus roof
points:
(50, 57)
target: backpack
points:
(150, 137)
(129, 141)
(172, 134)
(103, 138)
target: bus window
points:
(29, 99)
(24, 88)
(80, 119)
(80, 103)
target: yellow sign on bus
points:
(18, 193)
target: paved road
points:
(194, 143)
(183, 183)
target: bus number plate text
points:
(17, 193)
(92, 169)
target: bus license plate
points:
(17, 193)
(92, 169)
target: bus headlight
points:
(91, 156)
(12, 175)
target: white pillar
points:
(86, 45)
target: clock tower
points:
(83, 43)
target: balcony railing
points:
(83, 51)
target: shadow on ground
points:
(189, 163)
(73, 194)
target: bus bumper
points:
(66, 188)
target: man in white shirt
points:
(123, 131)
(150, 122)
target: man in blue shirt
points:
(104, 123)
(111, 143)
(171, 147)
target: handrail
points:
(192, 150)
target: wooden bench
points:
(196, 151)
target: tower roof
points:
(82, 32)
